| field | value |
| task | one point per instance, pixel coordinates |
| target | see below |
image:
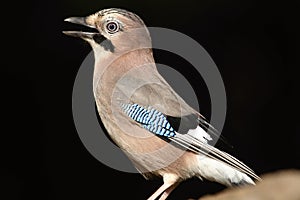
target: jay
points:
(158, 131)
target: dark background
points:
(255, 46)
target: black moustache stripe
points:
(104, 42)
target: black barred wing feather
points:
(150, 119)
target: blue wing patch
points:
(150, 119)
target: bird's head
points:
(115, 30)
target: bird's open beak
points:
(81, 34)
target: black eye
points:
(112, 27)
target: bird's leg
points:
(159, 191)
(169, 181)
(168, 191)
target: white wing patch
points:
(200, 134)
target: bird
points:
(158, 131)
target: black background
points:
(254, 44)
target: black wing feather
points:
(185, 123)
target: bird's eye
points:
(112, 27)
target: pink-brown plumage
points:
(125, 73)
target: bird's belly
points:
(149, 153)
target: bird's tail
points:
(220, 172)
